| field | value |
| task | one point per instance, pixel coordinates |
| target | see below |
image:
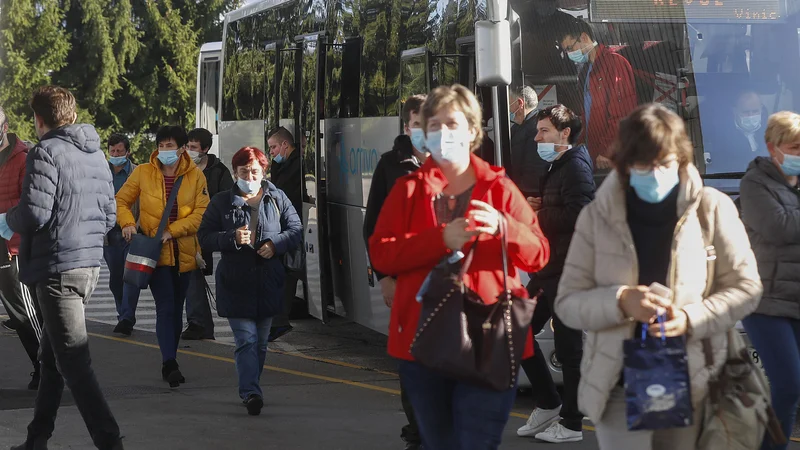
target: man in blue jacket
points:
(67, 204)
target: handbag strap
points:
(503, 228)
(173, 195)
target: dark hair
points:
(55, 105)
(562, 118)
(117, 138)
(201, 135)
(175, 132)
(412, 105)
(650, 133)
(246, 155)
(573, 28)
(282, 134)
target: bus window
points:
(445, 70)
(415, 72)
(209, 94)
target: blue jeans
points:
(452, 415)
(169, 291)
(777, 340)
(126, 296)
(251, 351)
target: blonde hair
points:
(456, 98)
(782, 127)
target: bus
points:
(336, 72)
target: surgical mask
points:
(750, 123)
(654, 186)
(578, 57)
(248, 187)
(547, 151)
(512, 115)
(168, 157)
(790, 165)
(196, 157)
(278, 158)
(117, 161)
(418, 138)
(450, 146)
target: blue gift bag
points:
(657, 388)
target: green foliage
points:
(132, 64)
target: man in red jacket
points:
(606, 79)
(20, 306)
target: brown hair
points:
(457, 98)
(562, 118)
(412, 105)
(54, 105)
(650, 133)
(282, 135)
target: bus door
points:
(310, 57)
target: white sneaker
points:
(557, 434)
(539, 420)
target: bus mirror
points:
(497, 10)
(493, 53)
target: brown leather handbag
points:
(463, 338)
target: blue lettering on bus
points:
(357, 161)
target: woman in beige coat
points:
(645, 226)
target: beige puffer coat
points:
(602, 260)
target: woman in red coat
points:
(453, 199)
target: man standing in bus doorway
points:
(567, 187)
(126, 296)
(609, 92)
(67, 204)
(527, 167)
(286, 172)
(22, 310)
(218, 177)
(405, 157)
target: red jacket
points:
(408, 243)
(11, 174)
(613, 91)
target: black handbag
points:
(462, 337)
(144, 251)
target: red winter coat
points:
(408, 243)
(11, 174)
(613, 90)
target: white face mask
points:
(196, 156)
(449, 146)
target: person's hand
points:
(604, 163)
(388, 286)
(641, 305)
(485, 217)
(166, 237)
(128, 232)
(677, 323)
(267, 250)
(535, 202)
(243, 235)
(457, 233)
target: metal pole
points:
(498, 144)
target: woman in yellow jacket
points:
(151, 184)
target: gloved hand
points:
(5, 231)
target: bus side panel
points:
(353, 148)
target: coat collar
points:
(435, 181)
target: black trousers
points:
(22, 309)
(410, 432)
(569, 351)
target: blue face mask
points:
(449, 147)
(547, 151)
(248, 187)
(790, 165)
(168, 157)
(117, 161)
(418, 139)
(278, 158)
(578, 57)
(750, 123)
(655, 185)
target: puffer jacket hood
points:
(81, 136)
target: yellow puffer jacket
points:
(146, 184)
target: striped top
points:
(168, 183)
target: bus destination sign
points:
(726, 11)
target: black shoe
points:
(412, 446)
(276, 332)
(9, 325)
(193, 332)
(36, 444)
(124, 327)
(171, 373)
(35, 377)
(254, 404)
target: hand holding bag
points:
(463, 338)
(144, 251)
(657, 387)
